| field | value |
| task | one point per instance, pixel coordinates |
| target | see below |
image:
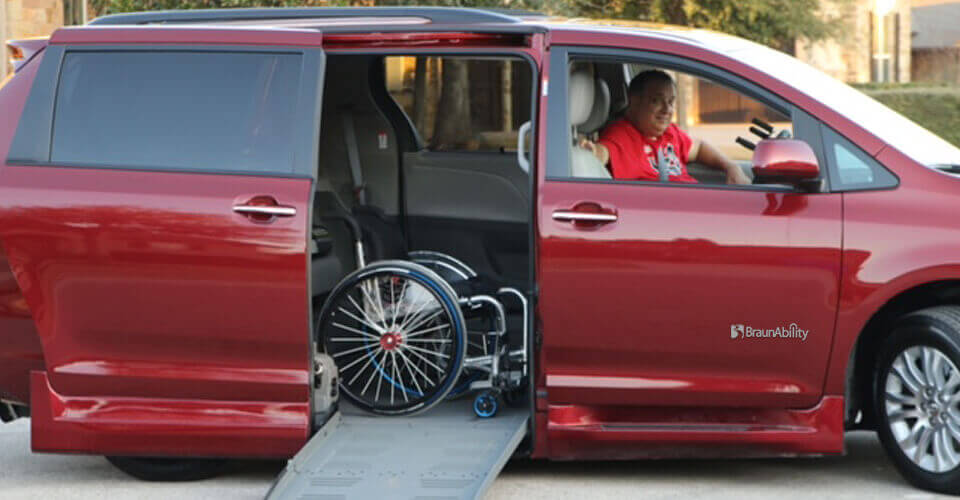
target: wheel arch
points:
(858, 413)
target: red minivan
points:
(204, 212)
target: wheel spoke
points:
(428, 330)
(912, 383)
(362, 368)
(383, 361)
(423, 320)
(362, 333)
(350, 364)
(923, 443)
(425, 360)
(943, 449)
(902, 399)
(927, 361)
(901, 415)
(427, 351)
(911, 366)
(376, 303)
(438, 341)
(417, 368)
(413, 378)
(366, 323)
(355, 349)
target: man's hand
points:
(712, 157)
(598, 150)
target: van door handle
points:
(263, 209)
(259, 210)
(574, 216)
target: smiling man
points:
(646, 145)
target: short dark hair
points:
(639, 82)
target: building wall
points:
(28, 18)
(936, 65)
(848, 56)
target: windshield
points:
(888, 125)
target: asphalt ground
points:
(864, 472)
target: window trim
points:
(33, 141)
(558, 136)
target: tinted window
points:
(852, 168)
(177, 110)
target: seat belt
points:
(353, 157)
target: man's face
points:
(651, 111)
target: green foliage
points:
(937, 109)
(776, 23)
(772, 22)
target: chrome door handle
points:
(265, 210)
(570, 215)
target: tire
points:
(169, 469)
(917, 398)
(397, 335)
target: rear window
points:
(221, 111)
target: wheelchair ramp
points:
(446, 453)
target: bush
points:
(935, 108)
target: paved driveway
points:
(863, 473)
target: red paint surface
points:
(161, 427)
(170, 325)
(785, 158)
(20, 349)
(623, 433)
(148, 285)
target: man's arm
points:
(710, 156)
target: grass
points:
(937, 110)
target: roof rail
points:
(436, 15)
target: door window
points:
(852, 169)
(227, 111)
(702, 113)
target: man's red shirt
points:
(635, 157)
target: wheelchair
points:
(407, 333)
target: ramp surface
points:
(446, 453)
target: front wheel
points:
(917, 398)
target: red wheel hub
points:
(390, 341)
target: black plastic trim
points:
(32, 141)
(889, 181)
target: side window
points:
(851, 168)
(226, 111)
(462, 104)
(696, 110)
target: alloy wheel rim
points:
(921, 397)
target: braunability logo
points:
(788, 332)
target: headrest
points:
(601, 108)
(581, 96)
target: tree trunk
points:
(453, 117)
(420, 95)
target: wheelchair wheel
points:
(396, 333)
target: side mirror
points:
(786, 161)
